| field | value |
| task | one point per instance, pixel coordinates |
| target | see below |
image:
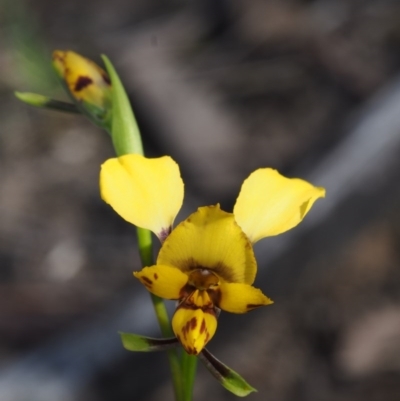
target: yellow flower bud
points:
(88, 84)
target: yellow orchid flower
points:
(207, 262)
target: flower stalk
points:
(127, 140)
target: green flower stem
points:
(126, 139)
(174, 363)
(146, 256)
(189, 367)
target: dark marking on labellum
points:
(191, 351)
(82, 83)
(203, 326)
(193, 323)
(155, 276)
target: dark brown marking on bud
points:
(106, 78)
(82, 82)
(59, 56)
(155, 276)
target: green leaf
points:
(134, 342)
(125, 132)
(42, 101)
(231, 380)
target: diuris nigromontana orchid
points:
(206, 262)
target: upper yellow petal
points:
(210, 239)
(269, 203)
(240, 298)
(163, 281)
(146, 192)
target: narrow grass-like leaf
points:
(134, 342)
(125, 132)
(45, 102)
(231, 380)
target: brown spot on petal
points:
(146, 280)
(155, 276)
(82, 83)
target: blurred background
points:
(310, 87)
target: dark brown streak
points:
(82, 83)
(146, 280)
(253, 306)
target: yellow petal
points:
(163, 281)
(240, 298)
(194, 326)
(145, 192)
(85, 80)
(210, 239)
(270, 204)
